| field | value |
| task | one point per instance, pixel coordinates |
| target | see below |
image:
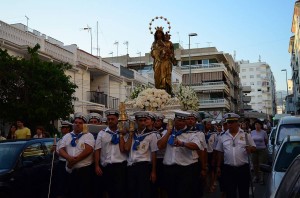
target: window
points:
(243, 70)
(258, 89)
(243, 77)
(251, 76)
(33, 153)
(251, 69)
(244, 83)
(205, 62)
(251, 83)
(258, 82)
(258, 75)
(259, 96)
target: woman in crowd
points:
(11, 132)
(260, 138)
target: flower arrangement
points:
(187, 97)
(151, 99)
(137, 90)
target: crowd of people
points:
(152, 158)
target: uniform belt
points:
(236, 166)
(116, 164)
(140, 163)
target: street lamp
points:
(287, 89)
(281, 103)
(190, 75)
(140, 61)
(117, 43)
(90, 30)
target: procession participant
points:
(141, 146)
(179, 162)
(160, 131)
(191, 123)
(221, 129)
(77, 148)
(94, 118)
(150, 120)
(234, 149)
(61, 175)
(110, 160)
(210, 138)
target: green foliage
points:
(137, 90)
(32, 89)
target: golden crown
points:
(159, 28)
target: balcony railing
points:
(208, 86)
(214, 103)
(202, 66)
(98, 97)
(113, 102)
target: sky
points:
(250, 28)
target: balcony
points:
(200, 68)
(214, 103)
(246, 89)
(246, 99)
(210, 87)
(101, 98)
(247, 107)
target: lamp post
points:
(281, 103)
(117, 44)
(126, 43)
(190, 75)
(287, 89)
(140, 61)
(90, 30)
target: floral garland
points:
(187, 97)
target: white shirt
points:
(58, 146)
(161, 152)
(110, 153)
(234, 148)
(211, 141)
(180, 155)
(86, 138)
(143, 153)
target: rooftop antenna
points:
(27, 18)
(197, 44)
(234, 55)
(208, 43)
(259, 58)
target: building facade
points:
(263, 93)
(101, 84)
(294, 50)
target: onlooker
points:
(22, 132)
(11, 132)
(40, 132)
(260, 138)
(1, 136)
(245, 127)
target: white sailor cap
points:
(181, 115)
(231, 116)
(193, 114)
(160, 116)
(140, 114)
(152, 115)
(65, 123)
(94, 116)
(81, 116)
(112, 112)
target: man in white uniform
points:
(77, 148)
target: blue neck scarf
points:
(115, 139)
(138, 139)
(207, 136)
(173, 136)
(74, 138)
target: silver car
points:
(289, 149)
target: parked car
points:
(25, 167)
(270, 144)
(290, 183)
(288, 151)
(289, 125)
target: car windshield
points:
(8, 154)
(288, 129)
(287, 154)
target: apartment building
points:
(101, 84)
(260, 77)
(293, 102)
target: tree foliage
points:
(35, 90)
